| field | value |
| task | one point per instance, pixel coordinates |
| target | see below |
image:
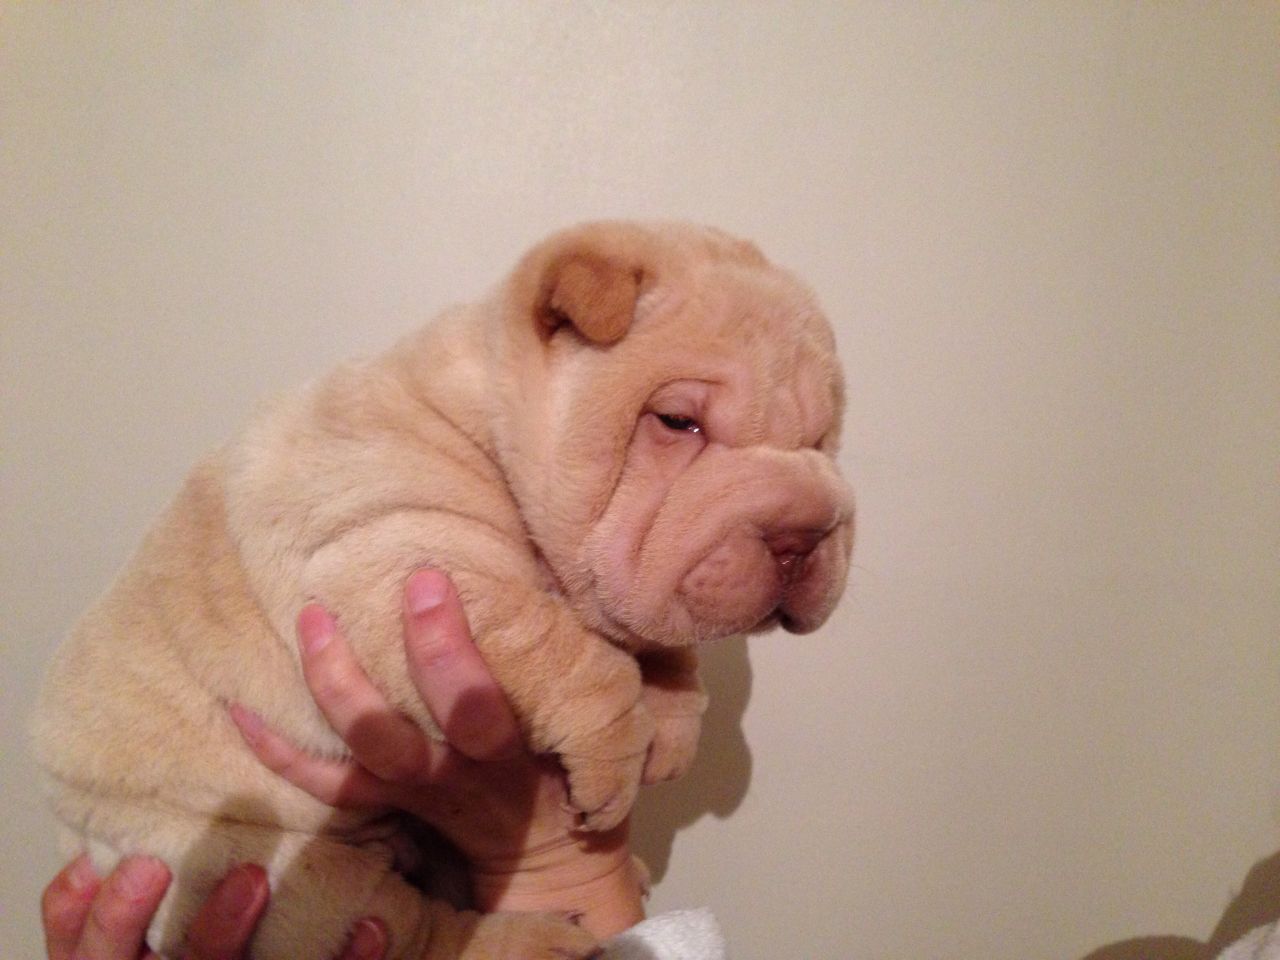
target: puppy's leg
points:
(675, 697)
(324, 887)
(320, 886)
(574, 693)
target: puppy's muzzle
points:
(811, 567)
(791, 549)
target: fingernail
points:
(238, 892)
(315, 628)
(426, 590)
(82, 876)
(138, 877)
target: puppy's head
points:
(669, 415)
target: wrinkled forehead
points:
(759, 338)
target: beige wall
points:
(1047, 717)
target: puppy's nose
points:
(789, 549)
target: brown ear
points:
(592, 292)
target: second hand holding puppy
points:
(506, 811)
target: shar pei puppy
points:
(625, 450)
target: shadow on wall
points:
(718, 779)
(1257, 903)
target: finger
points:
(385, 742)
(452, 678)
(64, 907)
(368, 941)
(338, 783)
(122, 910)
(225, 923)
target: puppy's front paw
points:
(604, 767)
(602, 791)
(675, 742)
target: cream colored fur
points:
(519, 444)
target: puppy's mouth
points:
(787, 618)
(776, 618)
(695, 617)
(779, 616)
(744, 581)
(791, 622)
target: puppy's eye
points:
(680, 424)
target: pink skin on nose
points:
(790, 548)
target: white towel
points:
(1260, 944)
(677, 935)
(695, 935)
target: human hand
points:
(505, 810)
(88, 918)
